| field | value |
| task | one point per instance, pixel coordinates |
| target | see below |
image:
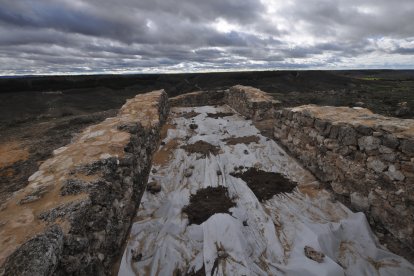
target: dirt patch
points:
(242, 140)
(310, 191)
(265, 184)
(189, 115)
(12, 152)
(201, 147)
(207, 202)
(164, 130)
(219, 115)
(163, 155)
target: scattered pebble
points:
(154, 187)
(136, 257)
(313, 254)
(188, 172)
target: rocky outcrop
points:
(74, 215)
(366, 157)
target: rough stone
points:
(154, 187)
(368, 143)
(376, 164)
(314, 254)
(407, 146)
(390, 141)
(188, 172)
(251, 102)
(359, 202)
(347, 136)
(395, 174)
(364, 130)
(38, 256)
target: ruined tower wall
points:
(73, 217)
(366, 157)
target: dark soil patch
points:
(219, 115)
(191, 114)
(207, 202)
(200, 272)
(241, 140)
(201, 147)
(193, 126)
(265, 184)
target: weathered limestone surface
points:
(73, 216)
(199, 98)
(364, 156)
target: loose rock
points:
(154, 187)
(313, 254)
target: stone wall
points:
(366, 157)
(251, 102)
(75, 213)
(199, 98)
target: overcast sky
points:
(116, 36)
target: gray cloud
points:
(59, 36)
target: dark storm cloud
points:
(57, 36)
(404, 51)
(355, 18)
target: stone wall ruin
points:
(74, 215)
(366, 157)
